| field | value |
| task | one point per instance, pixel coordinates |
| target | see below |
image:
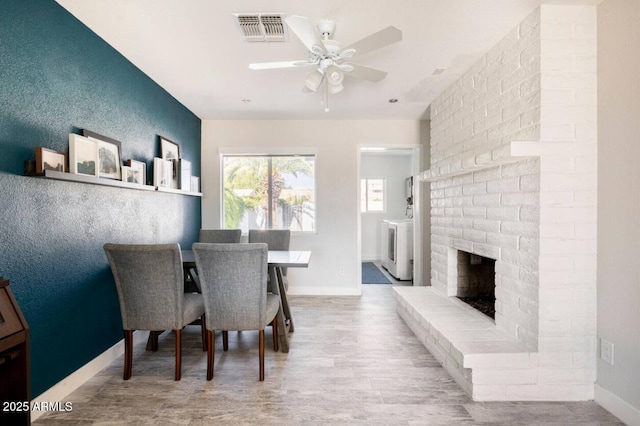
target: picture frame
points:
(131, 175)
(48, 159)
(141, 169)
(83, 156)
(170, 150)
(195, 184)
(109, 154)
(184, 176)
(162, 173)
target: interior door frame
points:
(417, 213)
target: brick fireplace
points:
(513, 178)
(477, 282)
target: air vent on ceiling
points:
(262, 26)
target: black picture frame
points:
(170, 150)
(109, 154)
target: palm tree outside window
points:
(269, 192)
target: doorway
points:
(386, 193)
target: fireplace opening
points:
(477, 282)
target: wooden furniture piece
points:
(15, 388)
(234, 287)
(150, 284)
(275, 262)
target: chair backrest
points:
(220, 235)
(276, 239)
(150, 283)
(233, 278)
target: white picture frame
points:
(131, 175)
(110, 158)
(184, 176)
(162, 173)
(195, 184)
(83, 156)
(141, 168)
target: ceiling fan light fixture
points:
(335, 88)
(335, 75)
(314, 80)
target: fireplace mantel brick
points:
(514, 177)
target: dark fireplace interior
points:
(477, 282)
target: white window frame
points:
(266, 152)
(366, 193)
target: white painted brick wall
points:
(535, 215)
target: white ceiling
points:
(194, 50)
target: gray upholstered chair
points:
(220, 235)
(230, 236)
(234, 286)
(150, 283)
(276, 239)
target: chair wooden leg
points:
(210, 353)
(274, 328)
(128, 354)
(203, 327)
(178, 353)
(225, 340)
(154, 340)
(261, 351)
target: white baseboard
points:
(59, 391)
(324, 291)
(617, 406)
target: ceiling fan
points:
(331, 61)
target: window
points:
(269, 192)
(372, 195)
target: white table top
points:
(289, 259)
(281, 259)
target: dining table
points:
(276, 262)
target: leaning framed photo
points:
(184, 174)
(109, 155)
(162, 173)
(83, 155)
(169, 150)
(195, 184)
(131, 175)
(140, 170)
(48, 159)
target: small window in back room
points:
(372, 195)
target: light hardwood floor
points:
(352, 361)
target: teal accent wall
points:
(57, 77)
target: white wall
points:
(335, 245)
(394, 168)
(619, 204)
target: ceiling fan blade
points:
(375, 41)
(366, 73)
(282, 64)
(306, 32)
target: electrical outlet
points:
(341, 271)
(606, 351)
